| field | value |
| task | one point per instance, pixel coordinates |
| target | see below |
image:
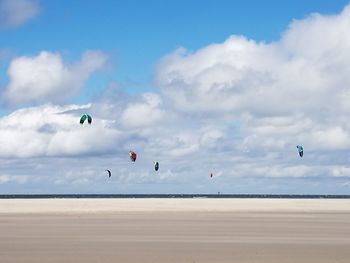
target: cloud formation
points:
(277, 91)
(144, 113)
(14, 13)
(45, 78)
(50, 130)
(236, 108)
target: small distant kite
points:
(85, 117)
(109, 173)
(300, 150)
(132, 156)
(156, 165)
(211, 175)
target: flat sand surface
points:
(175, 230)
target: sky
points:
(222, 87)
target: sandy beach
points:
(175, 230)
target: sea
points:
(72, 196)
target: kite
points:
(300, 150)
(84, 117)
(132, 156)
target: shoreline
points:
(101, 205)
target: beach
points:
(175, 230)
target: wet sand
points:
(175, 230)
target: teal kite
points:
(300, 150)
(85, 117)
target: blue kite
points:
(300, 150)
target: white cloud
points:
(14, 13)
(46, 78)
(51, 130)
(310, 61)
(283, 93)
(145, 113)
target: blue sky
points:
(137, 33)
(229, 87)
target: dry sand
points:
(175, 230)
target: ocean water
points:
(283, 196)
